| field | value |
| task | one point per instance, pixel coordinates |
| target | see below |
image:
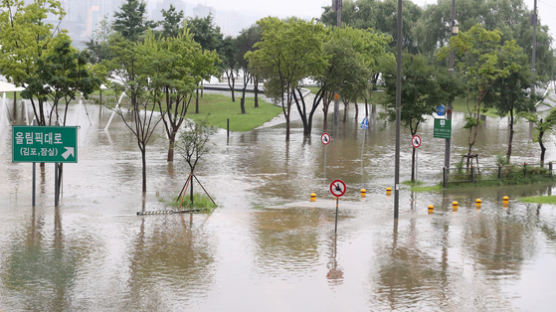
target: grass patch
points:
(460, 105)
(415, 183)
(539, 199)
(429, 188)
(313, 90)
(200, 201)
(216, 108)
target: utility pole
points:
(398, 109)
(338, 6)
(534, 48)
(453, 31)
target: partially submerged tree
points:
(542, 126)
(478, 52)
(511, 94)
(193, 145)
(131, 60)
(25, 38)
(229, 64)
(289, 51)
(420, 95)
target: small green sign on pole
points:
(44, 144)
(442, 128)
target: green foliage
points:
(24, 36)
(289, 51)
(421, 92)
(205, 32)
(131, 20)
(539, 199)
(501, 160)
(172, 23)
(217, 108)
(380, 16)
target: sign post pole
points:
(34, 181)
(338, 189)
(364, 126)
(325, 139)
(416, 143)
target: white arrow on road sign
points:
(365, 123)
(69, 152)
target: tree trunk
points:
(100, 97)
(543, 148)
(197, 101)
(242, 101)
(346, 103)
(373, 109)
(15, 107)
(256, 92)
(366, 107)
(356, 111)
(191, 191)
(509, 153)
(287, 128)
(171, 140)
(144, 169)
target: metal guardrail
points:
(474, 174)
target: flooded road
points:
(267, 247)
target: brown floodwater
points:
(267, 247)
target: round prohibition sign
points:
(325, 138)
(338, 188)
(416, 141)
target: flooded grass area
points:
(267, 246)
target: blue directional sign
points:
(365, 123)
(440, 110)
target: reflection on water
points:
(267, 247)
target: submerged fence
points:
(499, 173)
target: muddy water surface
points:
(267, 247)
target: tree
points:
(542, 126)
(173, 22)
(478, 52)
(97, 47)
(420, 95)
(510, 94)
(131, 21)
(24, 38)
(179, 67)
(380, 16)
(194, 145)
(289, 51)
(209, 36)
(134, 63)
(229, 63)
(245, 42)
(510, 17)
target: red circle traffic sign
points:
(338, 188)
(416, 141)
(325, 138)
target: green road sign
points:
(44, 144)
(442, 128)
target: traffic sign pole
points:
(338, 189)
(336, 220)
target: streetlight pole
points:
(398, 109)
(453, 32)
(534, 48)
(338, 6)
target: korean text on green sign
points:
(442, 128)
(44, 144)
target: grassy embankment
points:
(539, 199)
(217, 108)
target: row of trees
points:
(492, 52)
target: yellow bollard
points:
(430, 208)
(506, 201)
(478, 203)
(363, 193)
(455, 206)
(388, 191)
(313, 197)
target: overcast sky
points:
(312, 8)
